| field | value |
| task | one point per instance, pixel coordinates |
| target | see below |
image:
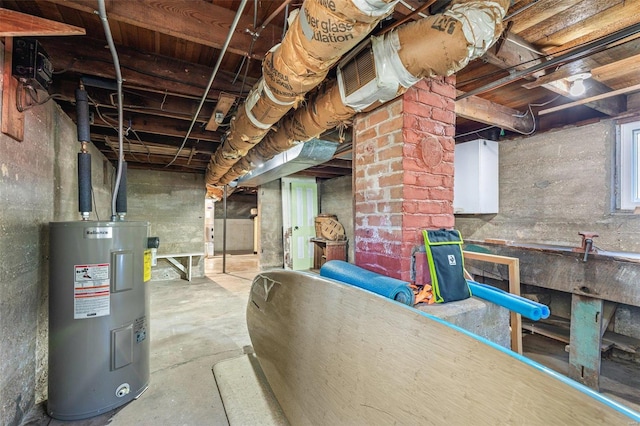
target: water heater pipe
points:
(320, 33)
(84, 182)
(438, 45)
(84, 158)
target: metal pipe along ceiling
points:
(319, 35)
(438, 45)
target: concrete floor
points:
(196, 325)
(193, 326)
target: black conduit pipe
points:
(121, 199)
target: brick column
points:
(403, 180)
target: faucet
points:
(587, 243)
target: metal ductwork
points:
(293, 160)
(383, 68)
(320, 34)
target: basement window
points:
(628, 161)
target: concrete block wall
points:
(336, 197)
(403, 175)
(38, 184)
(174, 204)
(555, 184)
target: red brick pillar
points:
(403, 175)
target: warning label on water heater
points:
(91, 292)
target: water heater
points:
(98, 316)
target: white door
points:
(300, 208)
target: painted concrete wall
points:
(336, 197)
(271, 250)
(38, 184)
(555, 184)
(174, 204)
(552, 186)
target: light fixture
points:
(577, 87)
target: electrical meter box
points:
(31, 63)
(475, 187)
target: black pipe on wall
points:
(84, 184)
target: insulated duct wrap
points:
(460, 34)
(320, 34)
(325, 111)
(437, 45)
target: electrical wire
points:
(246, 70)
(474, 131)
(95, 206)
(102, 11)
(519, 11)
(106, 119)
(234, 24)
(530, 111)
(256, 35)
(142, 143)
(285, 24)
(413, 9)
(26, 88)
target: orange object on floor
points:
(423, 294)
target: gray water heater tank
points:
(98, 316)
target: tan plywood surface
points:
(334, 354)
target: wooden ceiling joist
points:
(157, 126)
(143, 70)
(153, 104)
(602, 96)
(610, 105)
(199, 22)
(611, 55)
(225, 102)
(621, 14)
(484, 111)
(155, 149)
(16, 24)
(516, 53)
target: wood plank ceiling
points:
(168, 48)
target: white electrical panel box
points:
(475, 185)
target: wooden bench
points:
(172, 259)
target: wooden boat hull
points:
(335, 354)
